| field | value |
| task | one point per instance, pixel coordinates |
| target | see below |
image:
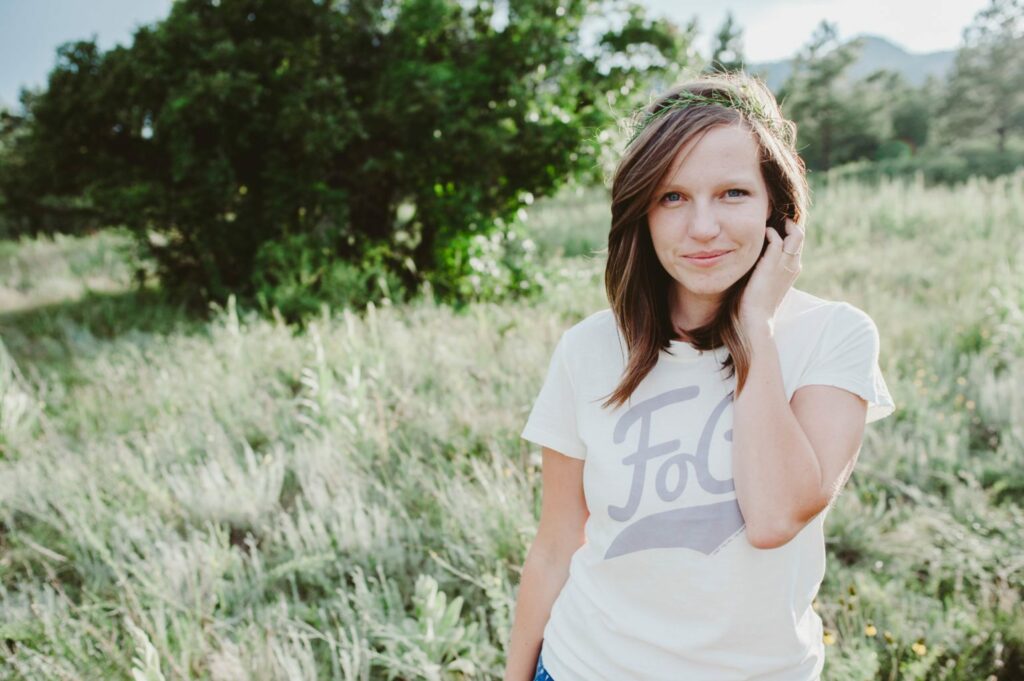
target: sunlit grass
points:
(232, 500)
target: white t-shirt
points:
(666, 586)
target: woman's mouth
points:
(707, 260)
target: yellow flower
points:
(887, 635)
(870, 630)
(919, 648)
(829, 638)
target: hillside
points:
(876, 53)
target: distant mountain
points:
(876, 53)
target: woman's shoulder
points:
(596, 322)
(808, 315)
(597, 330)
(798, 303)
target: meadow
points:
(232, 499)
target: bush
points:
(298, 274)
(490, 267)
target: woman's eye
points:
(671, 196)
(742, 192)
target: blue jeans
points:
(541, 673)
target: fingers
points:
(792, 247)
(785, 253)
(794, 241)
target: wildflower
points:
(870, 630)
(887, 635)
(970, 405)
(829, 638)
(919, 648)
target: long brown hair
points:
(636, 284)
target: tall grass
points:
(232, 500)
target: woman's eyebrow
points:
(731, 182)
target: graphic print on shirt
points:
(705, 528)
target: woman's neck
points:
(690, 314)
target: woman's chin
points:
(707, 286)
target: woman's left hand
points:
(773, 275)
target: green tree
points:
(985, 92)
(913, 111)
(28, 201)
(829, 127)
(381, 129)
(727, 54)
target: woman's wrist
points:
(756, 326)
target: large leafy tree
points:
(985, 92)
(385, 125)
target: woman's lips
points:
(705, 262)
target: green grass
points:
(233, 500)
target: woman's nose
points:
(703, 222)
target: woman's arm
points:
(546, 568)
(789, 462)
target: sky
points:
(31, 30)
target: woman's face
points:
(712, 199)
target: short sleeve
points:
(552, 421)
(846, 356)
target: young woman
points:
(695, 433)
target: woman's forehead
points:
(719, 154)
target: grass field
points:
(232, 500)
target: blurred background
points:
(280, 279)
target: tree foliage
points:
(985, 92)
(383, 127)
(829, 128)
(727, 53)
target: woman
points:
(695, 433)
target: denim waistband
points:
(541, 674)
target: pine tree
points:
(727, 54)
(985, 92)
